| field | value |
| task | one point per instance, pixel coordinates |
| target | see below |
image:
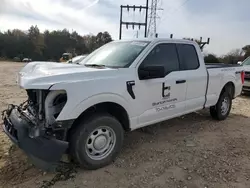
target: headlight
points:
(18, 78)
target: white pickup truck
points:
(246, 67)
(83, 110)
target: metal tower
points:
(153, 17)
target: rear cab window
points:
(188, 57)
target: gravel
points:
(192, 151)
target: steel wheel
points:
(100, 143)
(221, 110)
(225, 106)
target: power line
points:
(153, 15)
(174, 10)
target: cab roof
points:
(156, 40)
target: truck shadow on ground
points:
(187, 125)
(17, 169)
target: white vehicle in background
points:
(246, 68)
(77, 59)
(84, 109)
(27, 60)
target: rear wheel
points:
(223, 107)
(97, 141)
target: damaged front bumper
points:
(44, 151)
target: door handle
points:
(180, 81)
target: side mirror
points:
(239, 62)
(151, 72)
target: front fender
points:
(75, 111)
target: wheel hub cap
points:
(224, 106)
(100, 142)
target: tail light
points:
(242, 77)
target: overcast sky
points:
(226, 22)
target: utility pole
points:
(137, 34)
(199, 42)
(133, 24)
(203, 43)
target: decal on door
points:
(159, 109)
(165, 91)
(163, 102)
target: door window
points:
(163, 55)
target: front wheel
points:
(97, 141)
(222, 108)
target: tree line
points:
(49, 45)
(232, 57)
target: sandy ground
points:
(193, 151)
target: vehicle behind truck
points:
(84, 109)
(246, 67)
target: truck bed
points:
(219, 65)
(218, 75)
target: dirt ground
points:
(193, 151)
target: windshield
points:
(246, 61)
(116, 54)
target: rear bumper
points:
(45, 152)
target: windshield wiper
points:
(94, 65)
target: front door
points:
(161, 98)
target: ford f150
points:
(83, 110)
(246, 67)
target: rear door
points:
(196, 76)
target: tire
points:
(223, 107)
(91, 136)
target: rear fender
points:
(224, 82)
(235, 80)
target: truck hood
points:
(42, 75)
(52, 68)
(246, 68)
